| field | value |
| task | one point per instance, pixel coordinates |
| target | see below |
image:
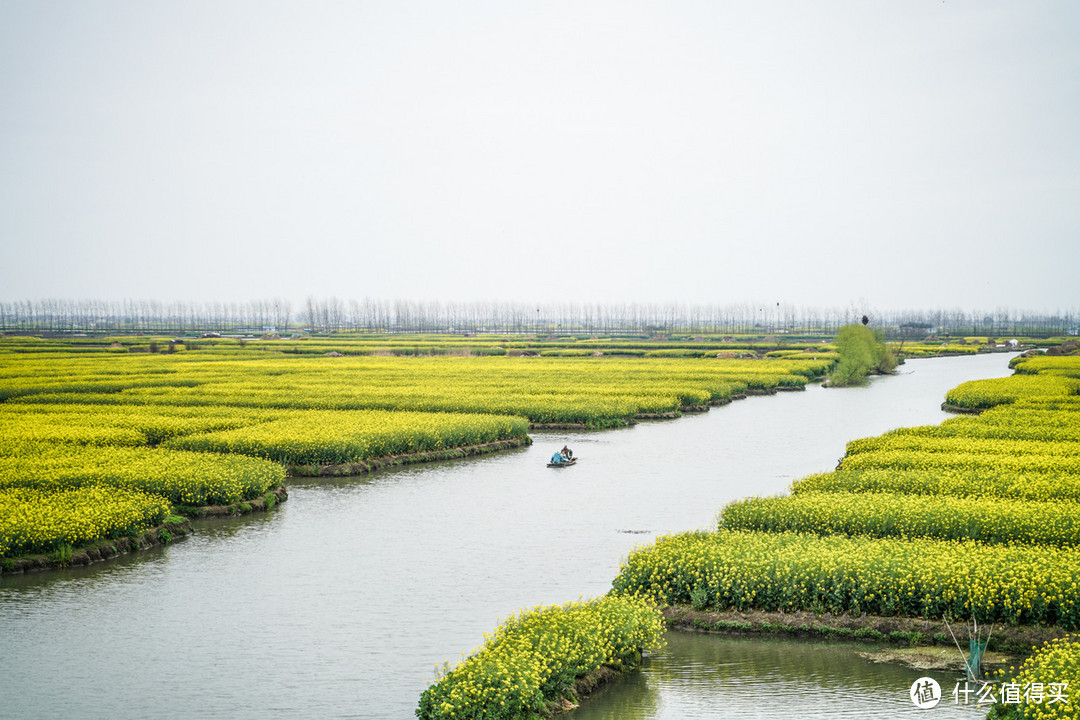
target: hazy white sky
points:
(911, 154)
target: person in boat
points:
(567, 453)
(558, 458)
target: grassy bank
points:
(1010, 643)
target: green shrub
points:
(862, 352)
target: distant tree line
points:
(333, 314)
(143, 316)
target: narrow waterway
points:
(339, 603)
(710, 676)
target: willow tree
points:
(862, 353)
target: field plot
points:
(987, 519)
(839, 574)
(530, 663)
(594, 391)
(216, 422)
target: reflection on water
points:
(630, 696)
(708, 676)
(340, 602)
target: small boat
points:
(568, 463)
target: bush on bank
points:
(862, 352)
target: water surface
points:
(715, 676)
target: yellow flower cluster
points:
(184, 478)
(535, 656)
(1021, 420)
(966, 445)
(975, 461)
(118, 425)
(980, 394)
(989, 520)
(1046, 684)
(1016, 482)
(838, 574)
(1046, 365)
(924, 350)
(596, 391)
(345, 436)
(38, 521)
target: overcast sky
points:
(905, 154)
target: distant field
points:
(105, 430)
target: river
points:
(340, 602)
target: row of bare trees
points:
(143, 316)
(336, 315)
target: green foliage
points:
(862, 352)
(868, 634)
(62, 555)
(837, 632)
(699, 597)
(912, 638)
